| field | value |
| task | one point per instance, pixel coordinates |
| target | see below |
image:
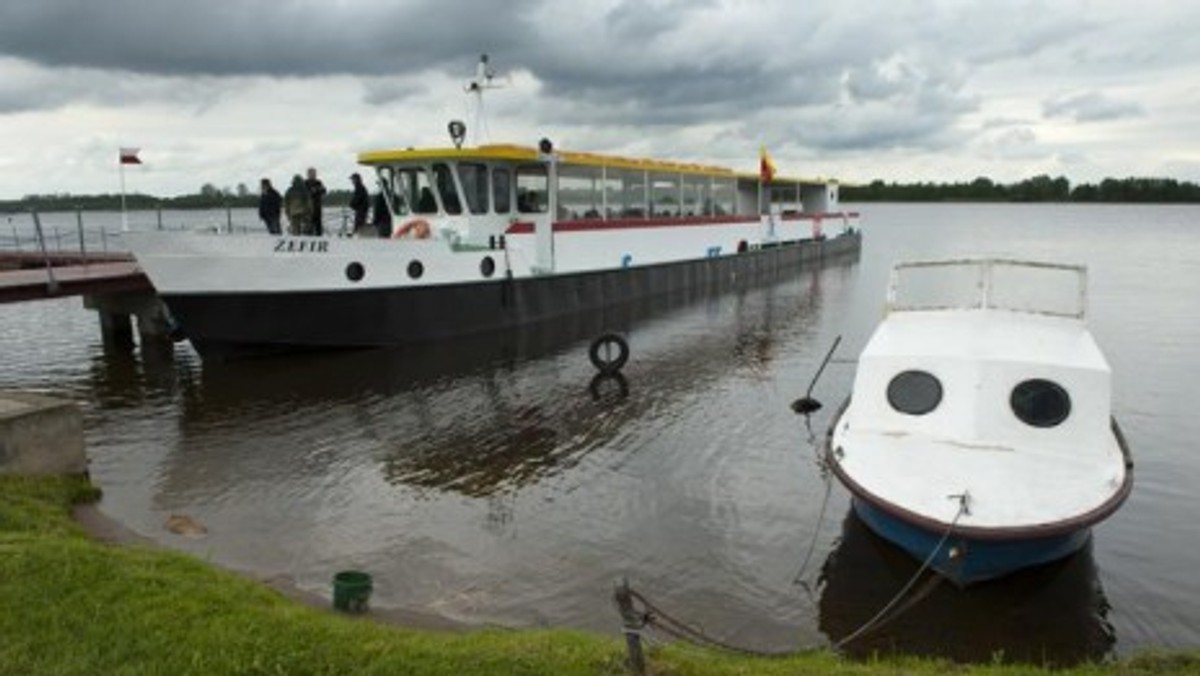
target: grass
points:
(69, 605)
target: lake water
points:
(490, 483)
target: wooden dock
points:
(111, 284)
(25, 276)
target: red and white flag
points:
(130, 156)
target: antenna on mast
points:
(485, 78)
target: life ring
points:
(417, 228)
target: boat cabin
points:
(473, 195)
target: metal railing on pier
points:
(86, 232)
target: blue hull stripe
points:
(965, 560)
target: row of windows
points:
(583, 192)
(1036, 402)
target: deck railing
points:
(87, 232)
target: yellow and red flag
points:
(766, 168)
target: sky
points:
(224, 92)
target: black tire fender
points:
(609, 352)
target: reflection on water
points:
(482, 414)
(1055, 614)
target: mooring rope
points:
(658, 619)
(812, 544)
(869, 625)
(664, 622)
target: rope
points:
(870, 624)
(812, 544)
(660, 620)
(664, 622)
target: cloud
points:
(1090, 107)
(935, 84)
(227, 37)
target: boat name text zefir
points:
(301, 246)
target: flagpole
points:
(124, 214)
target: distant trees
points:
(1041, 188)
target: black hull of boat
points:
(225, 325)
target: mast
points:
(485, 78)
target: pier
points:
(112, 284)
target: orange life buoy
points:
(418, 228)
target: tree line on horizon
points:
(1041, 188)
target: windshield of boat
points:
(1019, 286)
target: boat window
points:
(665, 194)
(696, 198)
(501, 190)
(724, 191)
(532, 184)
(631, 201)
(1040, 403)
(445, 187)
(473, 177)
(410, 191)
(579, 192)
(914, 392)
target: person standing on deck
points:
(382, 217)
(317, 190)
(270, 206)
(360, 202)
(297, 202)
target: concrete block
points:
(40, 435)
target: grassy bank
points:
(69, 605)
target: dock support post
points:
(117, 330)
(631, 624)
(116, 311)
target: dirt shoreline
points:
(108, 531)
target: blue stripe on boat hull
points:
(965, 560)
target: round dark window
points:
(914, 392)
(1040, 403)
(487, 266)
(355, 272)
(416, 269)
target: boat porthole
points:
(355, 272)
(416, 269)
(487, 266)
(914, 392)
(1040, 403)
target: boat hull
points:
(229, 324)
(966, 560)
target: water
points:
(491, 483)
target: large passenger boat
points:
(493, 237)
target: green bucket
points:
(351, 591)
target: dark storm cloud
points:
(225, 37)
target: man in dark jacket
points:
(382, 216)
(317, 189)
(270, 206)
(360, 202)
